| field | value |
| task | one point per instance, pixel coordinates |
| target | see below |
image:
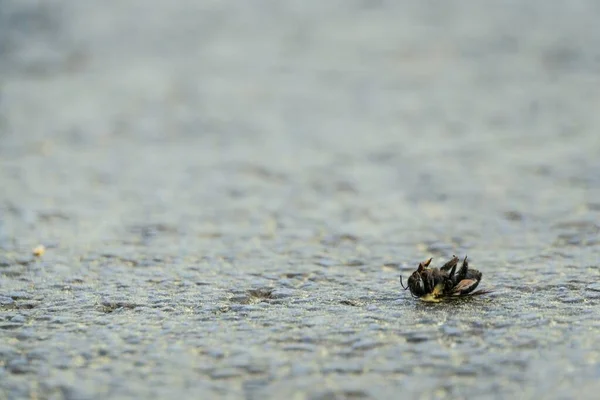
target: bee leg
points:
(423, 265)
(450, 265)
(462, 272)
(451, 274)
(449, 285)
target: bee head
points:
(416, 284)
(415, 281)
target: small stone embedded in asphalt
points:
(19, 295)
(24, 260)
(60, 320)
(38, 354)
(466, 371)
(5, 261)
(366, 344)
(326, 262)
(377, 327)
(18, 318)
(225, 373)
(594, 287)
(282, 293)
(571, 299)
(215, 353)
(132, 340)
(299, 347)
(417, 338)
(103, 352)
(9, 325)
(348, 366)
(26, 334)
(243, 308)
(302, 369)
(6, 301)
(26, 305)
(451, 331)
(354, 262)
(18, 365)
(7, 352)
(351, 302)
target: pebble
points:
(133, 340)
(465, 371)
(5, 261)
(215, 353)
(6, 301)
(571, 299)
(282, 293)
(38, 354)
(349, 367)
(302, 369)
(326, 262)
(18, 365)
(26, 334)
(27, 305)
(9, 325)
(451, 331)
(19, 295)
(18, 319)
(299, 347)
(7, 352)
(595, 287)
(417, 338)
(225, 373)
(24, 259)
(366, 344)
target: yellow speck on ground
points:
(39, 251)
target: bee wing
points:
(465, 286)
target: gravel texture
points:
(229, 193)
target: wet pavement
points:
(228, 196)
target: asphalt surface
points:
(229, 193)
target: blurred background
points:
(414, 111)
(266, 143)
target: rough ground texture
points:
(228, 194)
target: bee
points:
(433, 284)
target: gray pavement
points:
(229, 191)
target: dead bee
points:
(433, 284)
